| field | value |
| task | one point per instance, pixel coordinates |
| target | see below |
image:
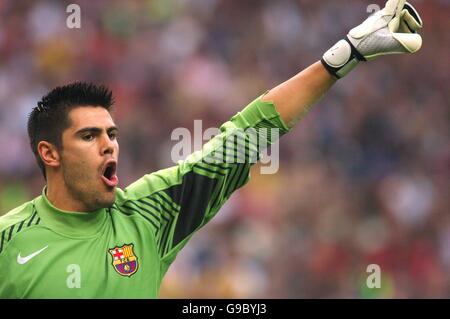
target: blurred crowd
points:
(363, 179)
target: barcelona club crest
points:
(124, 260)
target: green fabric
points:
(151, 220)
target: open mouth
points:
(109, 176)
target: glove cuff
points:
(341, 58)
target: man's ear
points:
(49, 154)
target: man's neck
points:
(61, 199)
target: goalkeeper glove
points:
(391, 30)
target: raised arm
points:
(391, 30)
(294, 97)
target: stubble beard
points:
(84, 188)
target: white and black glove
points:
(392, 30)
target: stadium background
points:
(363, 179)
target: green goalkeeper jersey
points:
(125, 250)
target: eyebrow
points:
(96, 130)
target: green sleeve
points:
(11, 224)
(179, 200)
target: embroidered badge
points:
(124, 260)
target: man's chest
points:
(114, 265)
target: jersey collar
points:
(73, 224)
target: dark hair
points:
(49, 118)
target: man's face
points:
(89, 157)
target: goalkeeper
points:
(83, 237)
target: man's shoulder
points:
(149, 184)
(16, 215)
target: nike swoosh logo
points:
(24, 260)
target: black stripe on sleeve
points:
(163, 198)
(156, 223)
(243, 177)
(2, 240)
(207, 169)
(158, 208)
(115, 206)
(153, 213)
(10, 232)
(237, 176)
(143, 215)
(21, 225)
(31, 219)
(193, 196)
(164, 238)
